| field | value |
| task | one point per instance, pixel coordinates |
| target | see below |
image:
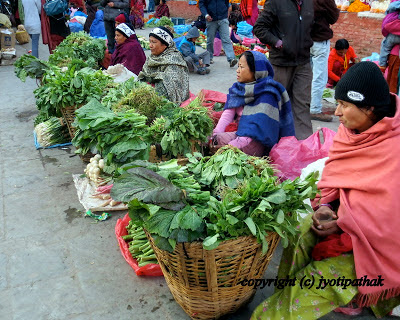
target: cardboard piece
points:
(7, 38)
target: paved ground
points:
(54, 263)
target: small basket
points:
(207, 283)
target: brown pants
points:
(297, 81)
(393, 71)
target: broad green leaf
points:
(191, 219)
(210, 241)
(231, 219)
(277, 197)
(280, 217)
(250, 223)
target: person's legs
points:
(300, 99)
(205, 56)
(393, 71)
(319, 53)
(151, 6)
(35, 44)
(223, 28)
(110, 31)
(191, 65)
(212, 27)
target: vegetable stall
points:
(204, 221)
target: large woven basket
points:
(206, 283)
(68, 114)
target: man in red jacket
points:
(325, 14)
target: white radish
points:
(97, 157)
(101, 164)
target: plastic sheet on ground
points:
(147, 270)
(85, 190)
(38, 146)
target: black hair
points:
(380, 112)
(341, 44)
(250, 60)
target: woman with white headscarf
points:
(165, 67)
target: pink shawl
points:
(363, 171)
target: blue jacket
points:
(217, 9)
(188, 48)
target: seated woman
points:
(128, 50)
(355, 218)
(162, 10)
(260, 105)
(341, 58)
(165, 67)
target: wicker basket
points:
(205, 283)
(86, 157)
(68, 114)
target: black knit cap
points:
(163, 34)
(363, 85)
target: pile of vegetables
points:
(238, 49)
(94, 171)
(176, 206)
(52, 132)
(29, 66)
(139, 246)
(162, 22)
(72, 87)
(145, 43)
(79, 45)
(183, 129)
(119, 137)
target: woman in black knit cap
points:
(348, 248)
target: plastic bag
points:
(244, 29)
(148, 269)
(345, 5)
(291, 155)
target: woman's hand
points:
(325, 222)
(110, 4)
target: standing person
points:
(285, 25)
(32, 23)
(326, 13)
(162, 10)
(137, 13)
(151, 7)
(111, 10)
(216, 14)
(249, 9)
(54, 29)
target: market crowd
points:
(353, 230)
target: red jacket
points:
(333, 57)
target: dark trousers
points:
(297, 81)
(110, 31)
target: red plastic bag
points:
(291, 155)
(148, 269)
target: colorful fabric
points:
(296, 302)
(345, 62)
(246, 8)
(137, 13)
(368, 205)
(162, 11)
(163, 35)
(130, 54)
(332, 246)
(169, 74)
(267, 114)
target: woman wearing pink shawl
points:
(128, 50)
(355, 241)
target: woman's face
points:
(156, 46)
(243, 72)
(119, 37)
(354, 118)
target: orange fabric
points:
(393, 71)
(333, 56)
(363, 171)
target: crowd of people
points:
(350, 234)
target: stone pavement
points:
(54, 262)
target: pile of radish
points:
(94, 170)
